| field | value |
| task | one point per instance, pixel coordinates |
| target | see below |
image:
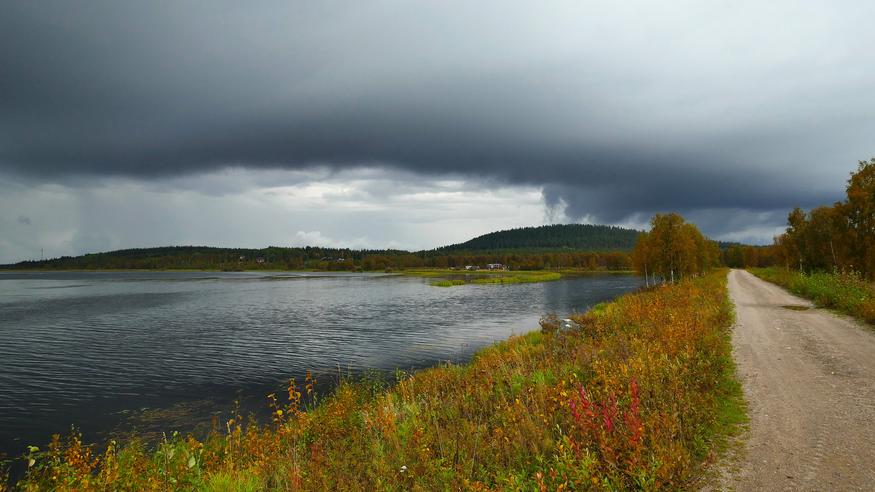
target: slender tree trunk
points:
(835, 264)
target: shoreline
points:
(509, 384)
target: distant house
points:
(495, 266)
(472, 267)
(260, 259)
(242, 258)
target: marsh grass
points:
(447, 283)
(519, 278)
(638, 398)
(846, 292)
(456, 278)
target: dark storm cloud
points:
(614, 111)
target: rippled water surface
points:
(95, 349)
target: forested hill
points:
(592, 247)
(583, 237)
(210, 258)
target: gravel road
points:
(809, 378)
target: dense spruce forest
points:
(582, 237)
(228, 259)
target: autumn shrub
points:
(636, 398)
(847, 292)
(549, 323)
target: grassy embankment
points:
(845, 292)
(639, 397)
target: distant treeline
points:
(572, 246)
(579, 246)
(744, 256)
(209, 258)
(314, 258)
(583, 237)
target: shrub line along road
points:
(809, 379)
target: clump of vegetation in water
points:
(847, 292)
(500, 278)
(638, 397)
(519, 278)
(447, 283)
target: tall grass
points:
(845, 292)
(638, 397)
(499, 278)
(447, 283)
(519, 278)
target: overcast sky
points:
(416, 124)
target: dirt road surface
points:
(809, 378)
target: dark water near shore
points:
(164, 350)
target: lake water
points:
(164, 350)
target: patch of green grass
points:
(519, 278)
(452, 278)
(234, 482)
(732, 411)
(724, 437)
(599, 309)
(848, 293)
(447, 283)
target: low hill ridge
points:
(586, 237)
(581, 238)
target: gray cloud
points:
(614, 110)
(24, 220)
(362, 208)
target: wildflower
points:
(403, 468)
